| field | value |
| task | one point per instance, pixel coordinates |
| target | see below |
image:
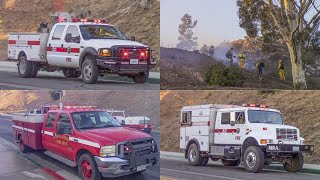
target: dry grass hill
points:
(133, 102)
(300, 109)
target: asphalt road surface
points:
(11, 80)
(171, 170)
(152, 173)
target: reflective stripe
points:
(25, 129)
(85, 142)
(47, 133)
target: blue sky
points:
(218, 20)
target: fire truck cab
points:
(252, 134)
(87, 138)
(80, 47)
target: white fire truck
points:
(252, 134)
(86, 47)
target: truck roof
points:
(229, 107)
(71, 109)
(82, 23)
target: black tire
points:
(296, 163)
(35, 70)
(24, 67)
(230, 162)
(94, 173)
(194, 157)
(205, 161)
(141, 78)
(23, 148)
(90, 71)
(253, 159)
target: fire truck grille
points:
(139, 147)
(287, 134)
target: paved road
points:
(176, 169)
(152, 173)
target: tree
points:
(288, 20)
(204, 50)
(186, 38)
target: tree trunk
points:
(298, 72)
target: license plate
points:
(295, 148)
(142, 167)
(134, 61)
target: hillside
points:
(300, 109)
(133, 102)
(128, 15)
(185, 70)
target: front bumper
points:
(289, 148)
(117, 66)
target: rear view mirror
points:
(133, 38)
(123, 122)
(232, 123)
(68, 38)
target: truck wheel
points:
(24, 67)
(194, 157)
(205, 161)
(141, 78)
(90, 71)
(230, 162)
(87, 168)
(294, 164)
(35, 69)
(23, 148)
(253, 159)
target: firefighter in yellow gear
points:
(242, 60)
(281, 70)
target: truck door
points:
(56, 50)
(48, 132)
(72, 43)
(240, 126)
(185, 122)
(223, 130)
(64, 132)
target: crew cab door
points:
(240, 126)
(185, 123)
(72, 43)
(64, 131)
(56, 50)
(223, 132)
(48, 131)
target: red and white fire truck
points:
(142, 123)
(252, 134)
(88, 138)
(86, 47)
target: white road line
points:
(200, 174)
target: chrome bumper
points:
(115, 167)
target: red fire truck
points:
(87, 138)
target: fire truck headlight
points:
(107, 151)
(105, 52)
(280, 142)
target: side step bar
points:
(60, 158)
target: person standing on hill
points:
(281, 70)
(259, 67)
(229, 55)
(242, 60)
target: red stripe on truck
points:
(59, 49)
(12, 42)
(34, 43)
(225, 130)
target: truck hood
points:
(111, 136)
(272, 126)
(108, 43)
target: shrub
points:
(219, 75)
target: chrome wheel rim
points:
(22, 66)
(193, 154)
(87, 72)
(251, 159)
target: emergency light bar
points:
(79, 107)
(255, 105)
(103, 21)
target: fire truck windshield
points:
(94, 119)
(267, 117)
(100, 32)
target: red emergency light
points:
(103, 21)
(255, 105)
(79, 107)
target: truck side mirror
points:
(232, 123)
(68, 38)
(123, 122)
(133, 38)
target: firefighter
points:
(229, 55)
(242, 60)
(281, 70)
(259, 67)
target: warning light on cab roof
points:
(255, 105)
